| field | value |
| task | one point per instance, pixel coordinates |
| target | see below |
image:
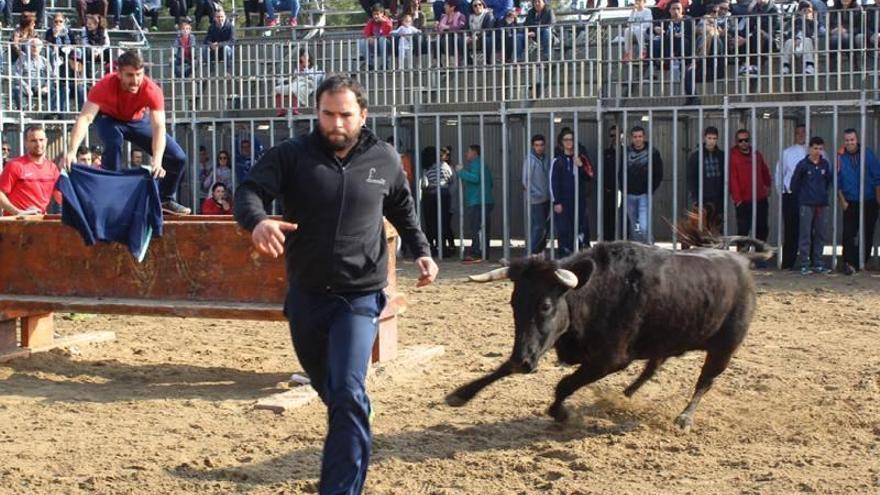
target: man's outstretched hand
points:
(427, 270)
(268, 236)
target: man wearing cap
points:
(116, 105)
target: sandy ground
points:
(168, 407)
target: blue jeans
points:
(333, 338)
(637, 214)
(138, 132)
(539, 216)
(812, 234)
(543, 37)
(372, 48)
(6, 9)
(281, 6)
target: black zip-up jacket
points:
(338, 204)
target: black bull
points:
(621, 301)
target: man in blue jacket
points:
(809, 184)
(848, 180)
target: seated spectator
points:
(407, 37)
(178, 9)
(800, 43)
(757, 34)
(452, 21)
(375, 42)
(709, 63)
(23, 34)
(83, 156)
(480, 20)
(96, 44)
(152, 8)
(218, 41)
(539, 20)
(637, 30)
(506, 37)
(439, 8)
(672, 42)
(57, 33)
(33, 72)
(218, 203)
(291, 6)
(32, 196)
(209, 9)
(846, 26)
(300, 87)
(222, 172)
(97, 7)
(183, 49)
(35, 7)
(661, 8)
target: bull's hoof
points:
(685, 422)
(558, 413)
(455, 400)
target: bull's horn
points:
(567, 278)
(496, 274)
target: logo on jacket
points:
(374, 180)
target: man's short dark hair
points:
(711, 131)
(743, 131)
(130, 58)
(475, 148)
(850, 130)
(817, 141)
(378, 7)
(203, 148)
(800, 125)
(33, 128)
(635, 129)
(538, 137)
(82, 150)
(338, 83)
(135, 149)
(216, 185)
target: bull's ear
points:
(583, 269)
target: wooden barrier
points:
(203, 266)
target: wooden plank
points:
(37, 330)
(8, 336)
(19, 353)
(287, 400)
(78, 339)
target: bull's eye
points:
(545, 307)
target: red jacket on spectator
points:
(211, 207)
(375, 29)
(741, 176)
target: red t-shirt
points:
(211, 207)
(122, 105)
(28, 184)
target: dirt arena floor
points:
(168, 407)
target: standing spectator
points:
(741, 184)
(567, 168)
(407, 39)
(478, 200)
(507, 37)
(27, 182)
(538, 21)
(301, 86)
(218, 41)
(757, 34)
(451, 22)
(206, 8)
(635, 180)
(291, 6)
(218, 202)
(375, 42)
(437, 180)
(179, 9)
(673, 39)
(206, 171)
(22, 35)
(713, 178)
(184, 43)
(801, 41)
(96, 44)
(221, 173)
(480, 20)
(610, 185)
(853, 199)
(5, 157)
(35, 8)
(785, 167)
(810, 183)
(638, 29)
(846, 26)
(536, 184)
(34, 73)
(245, 157)
(136, 158)
(84, 156)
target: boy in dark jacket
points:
(634, 182)
(809, 184)
(713, 177)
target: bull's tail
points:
(751, 248)
(698, 230)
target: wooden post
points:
(8, 336)
(37, 330)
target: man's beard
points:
(339, 145)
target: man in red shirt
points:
(116, 105)
(27, 182)
(741, 186)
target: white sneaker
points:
(786, 70)
(809, 70)
(748, 69)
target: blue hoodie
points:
(848, 167)
(810, 182)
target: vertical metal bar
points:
(863, 146)
(754, 148)
(577, 198)
(528, 179)
(461, 212)
(505, 183)
(484, 238)
(600, 184)
(834, 215)
(625, 218)
(700, 169)
(726, 108)
(675, 171)
(780, 138)
(650, 150)
(551, 149)
(417, 160)
(438, 169)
